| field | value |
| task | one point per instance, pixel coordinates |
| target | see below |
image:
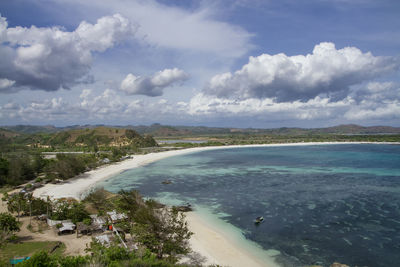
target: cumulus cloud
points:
(316, 108)
(327, 71)
(153, 85)
(52, 58)
(376, 104)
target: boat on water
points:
(259, 220)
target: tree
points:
(129, 202)
(98, 198)
(8, 223)
(4, 169)
(77, 213)
(131, 134)
(60, 210)
(166, 234)
(149, 141)
(42, 259)
(16, 203)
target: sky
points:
(220, 63)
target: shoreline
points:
(77, 187)
(211, 238)
(220, 243)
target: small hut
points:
(98, 223)
(83, 229)
(66, 228)
(116, 217)
(105, 240)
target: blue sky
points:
(244, 63)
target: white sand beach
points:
(210, 242)
(80, 185)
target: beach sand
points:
(218, 245)
(210, 242)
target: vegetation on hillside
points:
(22, 157)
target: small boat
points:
(259, 220)
(167, 182)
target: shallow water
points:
(321, 203)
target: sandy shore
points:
(218, 244)
(212, 243)
(81, 185)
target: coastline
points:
(220, 243)
(211, 239)
(77, 187)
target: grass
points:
(11, 250)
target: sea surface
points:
(321, 203)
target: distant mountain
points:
(5, 133)
(159, 130)
(356, 129)
(99, 136)
(31, 129)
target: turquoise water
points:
(321, 203)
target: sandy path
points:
(3, 204)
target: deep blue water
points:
(321, 204)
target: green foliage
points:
(129, 202)
(73, 261)
(98, 197)
(87, 221)
(64, 210)
(38, 206)
(118, 256)
(20, 170)
(149, 141)
(59, 138)
(60, 210)
(26, 203)
(42, 259)
(68, 166)
(166, 234)
(131, 134)
(8, 223)
(17, 203)
(117, 153)
(162, 231)
(77, 213)
(4, 170)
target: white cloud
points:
(315, 108)
(111, 107)
(327, 71)
(177, 28)
(5, 84)
(52, 58)
(107, 32)
(153, 85)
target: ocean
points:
(321, 203)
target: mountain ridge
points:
(159, 130)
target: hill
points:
(159, 130)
